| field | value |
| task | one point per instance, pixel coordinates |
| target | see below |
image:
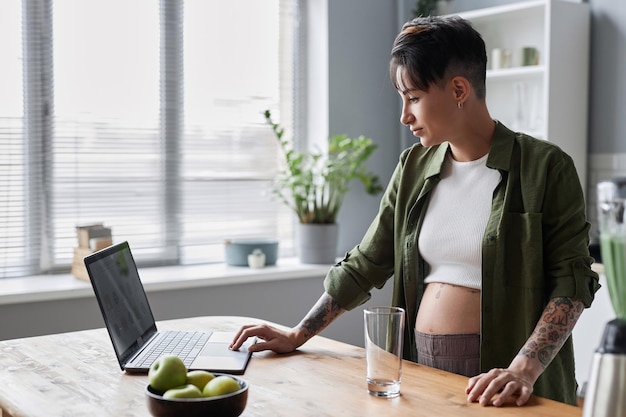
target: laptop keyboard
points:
(185, 345)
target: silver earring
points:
(460, 105)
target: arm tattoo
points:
(321, 315)
(552, 330)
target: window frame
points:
(39, 128)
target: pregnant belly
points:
(449, 309)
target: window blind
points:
(154, 127)
(24, 129)
(12, 150)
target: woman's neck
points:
(474, 139)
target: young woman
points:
(482, 229)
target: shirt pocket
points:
(522, 253)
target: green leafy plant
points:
(428, 7)
(425, 8)
(313, 184)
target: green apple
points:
(199, 378)
(220, 385)
(167, 372)
(184, 391)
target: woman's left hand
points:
(504, 382)
(552, 330)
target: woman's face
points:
(429, 115)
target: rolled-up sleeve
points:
(351, 280)
(566, 249)
(576, 280)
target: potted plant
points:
(313, 184)
(432, 7)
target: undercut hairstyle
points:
(431, 50)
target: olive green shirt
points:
(535, 248)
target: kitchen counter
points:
(76, 374)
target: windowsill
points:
(65, 286)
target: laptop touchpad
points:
(218, 356)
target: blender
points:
(606, 393)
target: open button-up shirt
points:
(535, 248)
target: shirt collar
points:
(499, 153)
(501, 148)
(436, 162)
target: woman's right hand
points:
(269, 338)
(324, 312)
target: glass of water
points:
(384, 330)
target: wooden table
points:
(76, 374)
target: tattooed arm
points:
(552, 330)
(324, 312)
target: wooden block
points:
(87, 232)
(79, 270)
(97, 243)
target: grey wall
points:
(284, 302)
(362, 100)
(607, 124)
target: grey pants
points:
(457, 353)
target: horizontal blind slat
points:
(104, 154)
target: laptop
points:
(133, 331)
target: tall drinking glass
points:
(384, 330)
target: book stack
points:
(91, 238)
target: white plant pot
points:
(256, 260)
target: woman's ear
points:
(461, 88)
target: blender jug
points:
(606, 393)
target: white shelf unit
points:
(548, 100)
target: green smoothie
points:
(613, 250)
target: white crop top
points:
(450, 239)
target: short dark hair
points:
(434, 48)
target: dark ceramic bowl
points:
(229, 405)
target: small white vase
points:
(256, 260)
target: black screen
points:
(121, 296)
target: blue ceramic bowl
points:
(237, 251)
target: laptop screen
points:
(121, 297)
